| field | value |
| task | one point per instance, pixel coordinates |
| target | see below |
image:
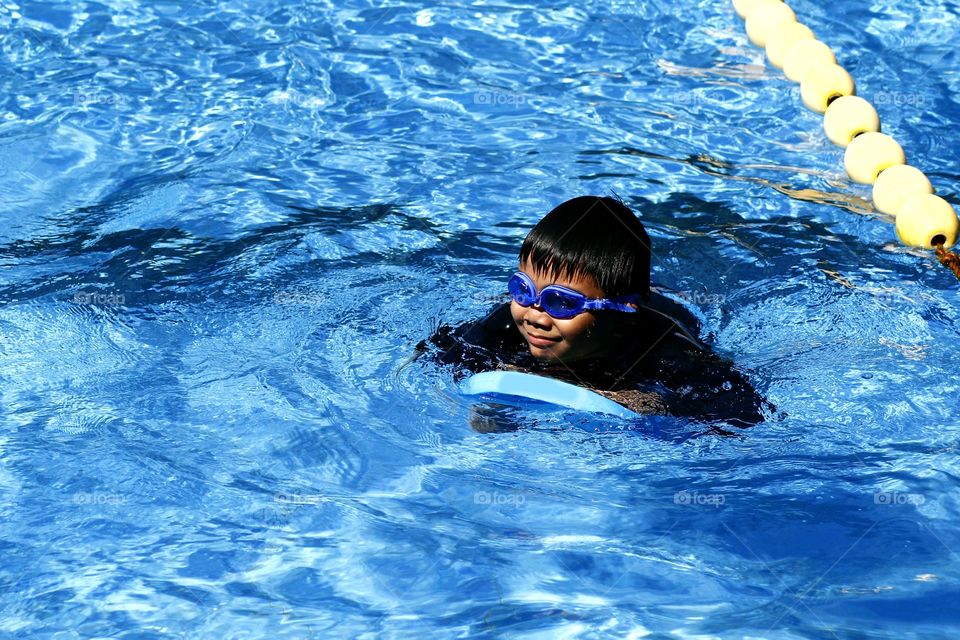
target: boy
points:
(582, 310)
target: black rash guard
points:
(666, 359)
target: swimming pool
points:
(228, 223)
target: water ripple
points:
(229, 223)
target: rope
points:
(948, 259)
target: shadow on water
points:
(156, 262)
(499, 417)
(155, 259)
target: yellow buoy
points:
(802, 55)
(848, 117)
(823, 84)
(766, 19)
(784, 35)
(869, 154)
(896, 184)
(745, 7)
(926, 220)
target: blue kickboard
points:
(534, 387)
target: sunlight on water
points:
(228, 224)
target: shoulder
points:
(665, 321)
(663, 303)
(497, 326)
(698, 381)
(478, 344)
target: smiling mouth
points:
(540, 341)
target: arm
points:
(475, 346)
(711, 388)
(643, 402)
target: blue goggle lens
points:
(521, 291)
(560, 304)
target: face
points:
(586, 335)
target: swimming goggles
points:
(559, 301)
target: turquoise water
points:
(227, 225)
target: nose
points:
(535, 315)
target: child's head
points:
(599, 248)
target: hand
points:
(490, 417)
(639, 401)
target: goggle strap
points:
(613, 305)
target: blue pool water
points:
(227, 224)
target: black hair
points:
(592, 236)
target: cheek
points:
(578, 329)
(517, 312)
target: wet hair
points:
(591, 236)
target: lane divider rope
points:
(922, 218)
